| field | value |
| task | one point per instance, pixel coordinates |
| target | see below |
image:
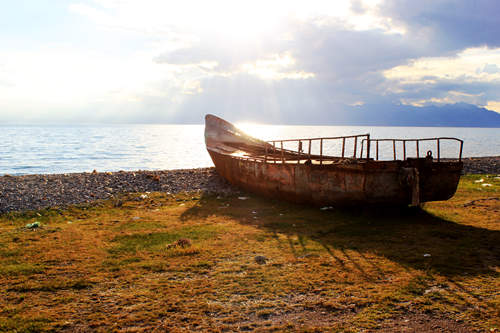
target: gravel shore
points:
(482, 165)
(29, 192)
(56, 190)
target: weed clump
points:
(182, 242)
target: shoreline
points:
(39, 191)
(33, 192)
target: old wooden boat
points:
(308, 175)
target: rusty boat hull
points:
(259, 167)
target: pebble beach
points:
(31, 192)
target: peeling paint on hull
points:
(370, 182)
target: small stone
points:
(261, 260)
(33, 225)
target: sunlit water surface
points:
(64, 149)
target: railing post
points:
(460, 155)
(418, 153)
(355, 145)
(368, 148)
(343, 147)
(394, 148)
(438, 148)
(282, 153)
(300, 148)
(404, 150)
(377, 150)
(320, 151)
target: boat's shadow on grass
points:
(412, 238)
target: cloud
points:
(275, 68)
(447, 25)
(279, 61)
(490, 69)
(467, 77)
(493, 105)
(471, 64)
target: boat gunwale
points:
(268, 150)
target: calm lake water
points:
(64, 149)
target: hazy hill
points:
(450, 115)
(459, 115)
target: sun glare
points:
(259, 131)
(229, 18)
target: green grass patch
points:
(20, 269)
(480, 183)
(159, 240)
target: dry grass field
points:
(195, 262)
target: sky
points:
(161, 61)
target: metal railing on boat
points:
(417, 146)
(300, 155)
(276, 152)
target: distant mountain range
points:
(453, 115)
(448, 115)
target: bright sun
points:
(235, 18)
(247, 19)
